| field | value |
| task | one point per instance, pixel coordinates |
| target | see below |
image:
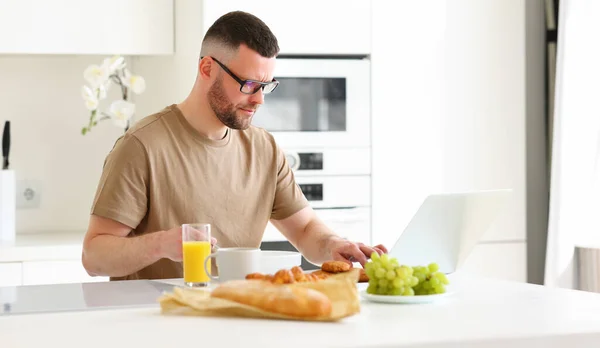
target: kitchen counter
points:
(480, 313)
(45, 246)
(49, 246)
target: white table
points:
(481, 313)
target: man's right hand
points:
(171, 244)
(109, 251)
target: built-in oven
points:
(320, 116)
(319, 103)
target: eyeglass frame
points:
(262, 85)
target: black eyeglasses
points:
(249, 86)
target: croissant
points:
(297, 275)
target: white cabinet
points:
(449, 115)
(131, 27)
(499, 260)
(55, 272)
(306, 27)
(10, 274)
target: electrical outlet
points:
(28, 194)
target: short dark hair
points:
(238, 27)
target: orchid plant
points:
(99, 78)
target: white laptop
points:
(447, 227)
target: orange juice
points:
(194, 253)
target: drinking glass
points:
(196, 248)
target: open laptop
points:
(447, 227)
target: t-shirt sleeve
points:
(289, 199)
(122, 192)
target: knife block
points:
(8, 198)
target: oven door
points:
(342, 203)
(319, 103)
(353, 224)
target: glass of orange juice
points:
(196, 247)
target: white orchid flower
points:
(135, 82)
(113, 64)
(96, 75)
(121, 111)
(101, 91)
(90, 98)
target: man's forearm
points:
(315, 241)
(106, 255)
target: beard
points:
(225, 111)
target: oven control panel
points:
(311, 161)
(305, 160)
(312, 192)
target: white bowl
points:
(274, 260)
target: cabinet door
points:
(507, 261)
(306, 27)
(56, 272)
(10, 274)
(132, 27)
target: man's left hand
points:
(344, 250)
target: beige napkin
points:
(340, 289)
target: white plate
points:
(404, 299)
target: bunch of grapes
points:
(387, 277)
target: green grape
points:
(427, 280)
(433, 267)
(372, 289)
(385, 258)
(396, 292)
(402, 272)
(370, 273)
(420, 276)
(388, 277)
(442, 277)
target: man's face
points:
(232, 107)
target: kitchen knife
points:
(5, 144)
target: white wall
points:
(41, 96)
(449, 111)
(170, 78)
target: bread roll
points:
(281, 299)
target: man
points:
(202, 161)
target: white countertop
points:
(43, 247)
(481, 313)
(50, 246)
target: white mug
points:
(234, 263)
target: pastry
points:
(335, 266)
(287, 300)
(320, 274)
(256, 276)
(298, 274)
(362, 276)
(284, 276)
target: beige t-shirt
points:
(162, 173)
